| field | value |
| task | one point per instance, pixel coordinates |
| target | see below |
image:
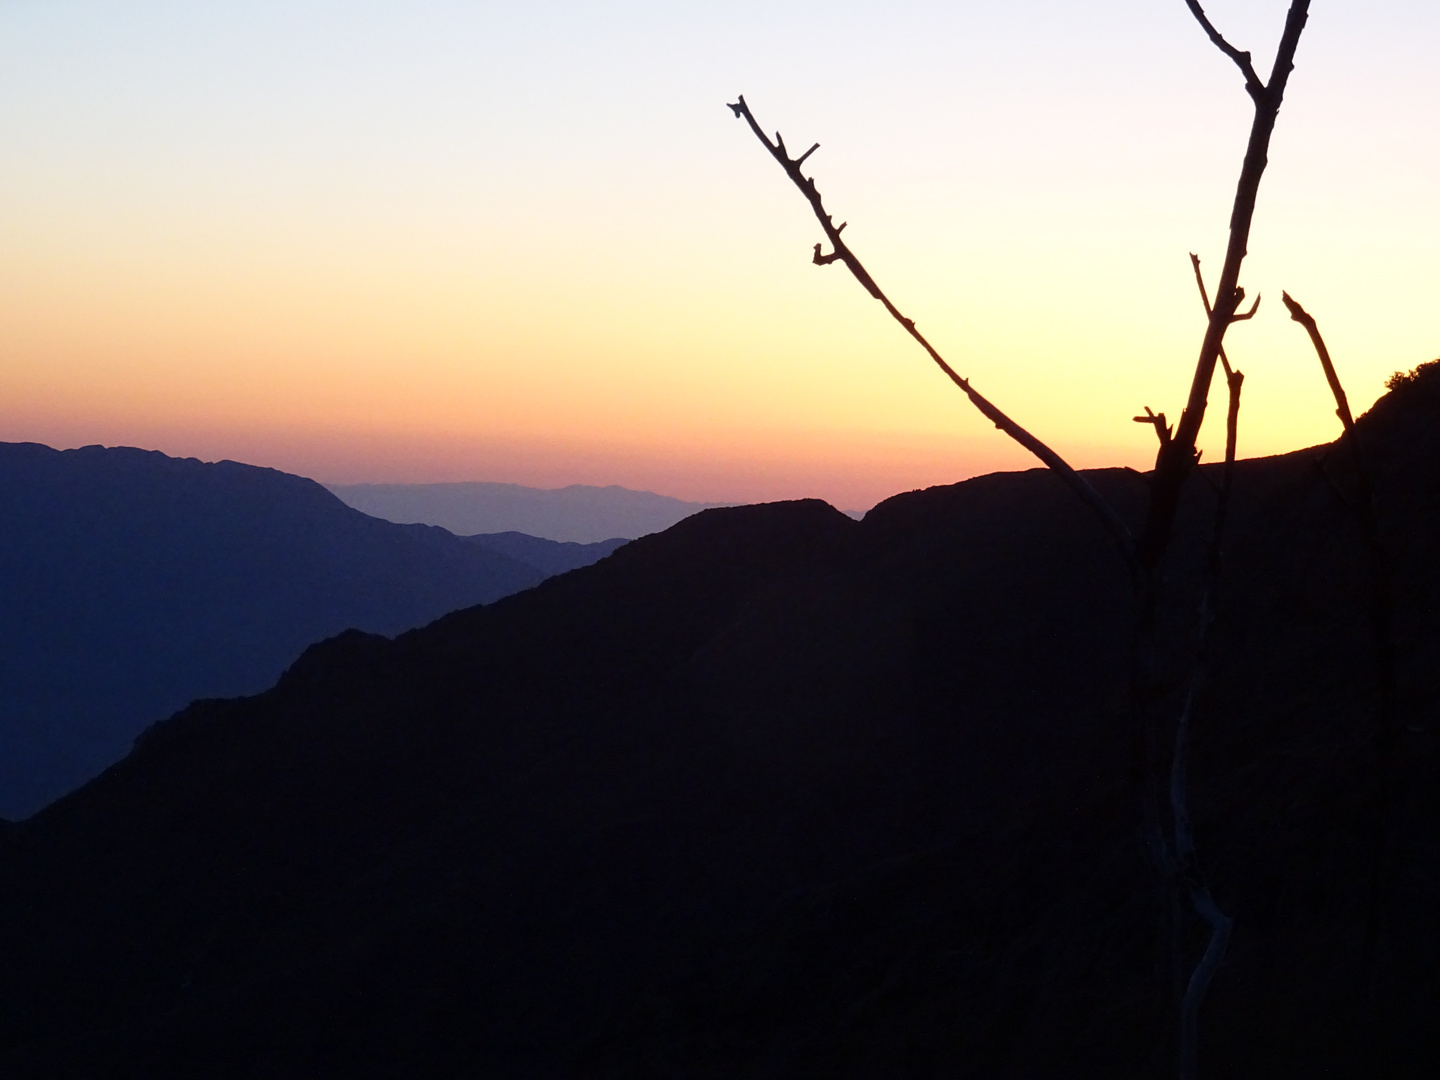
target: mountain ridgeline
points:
(776, 793)
(580, 513)
(134, 583)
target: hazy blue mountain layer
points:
(547, 556)
(132, 583)
(578, 513)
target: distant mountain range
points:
(132, 583)
(578, 513)
(776, 793)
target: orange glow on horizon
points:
(447, 243)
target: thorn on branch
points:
(1239, 296)
(801, 159)
(1200, 282)
(825, 260)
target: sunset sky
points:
(442, 240)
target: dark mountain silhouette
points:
(776, 793)
(547, 556)
(133, 583)
(579, 513)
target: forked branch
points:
(841, 252)
(1242, 59)
(1178, 456)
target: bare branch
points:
(841, 252)
(1342, 405)
(1364, 509)
(1381, 622)
(1163, 430)
(812, 196)
(1205, 299)
(1253, 85)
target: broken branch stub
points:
(1163, 430)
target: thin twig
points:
(1242, 59)
(1205, 299)
(1365, 506)
(1342, 404)
(1112, 521)
(1240, 295)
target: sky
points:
(440, 240)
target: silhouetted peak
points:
(760, 535)
(760, 521)
(339, 657)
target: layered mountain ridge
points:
(779, 793)
(134, 583)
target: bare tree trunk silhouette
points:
(1161, 762)
(1187, 869)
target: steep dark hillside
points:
(777, 794)
(133, 583)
